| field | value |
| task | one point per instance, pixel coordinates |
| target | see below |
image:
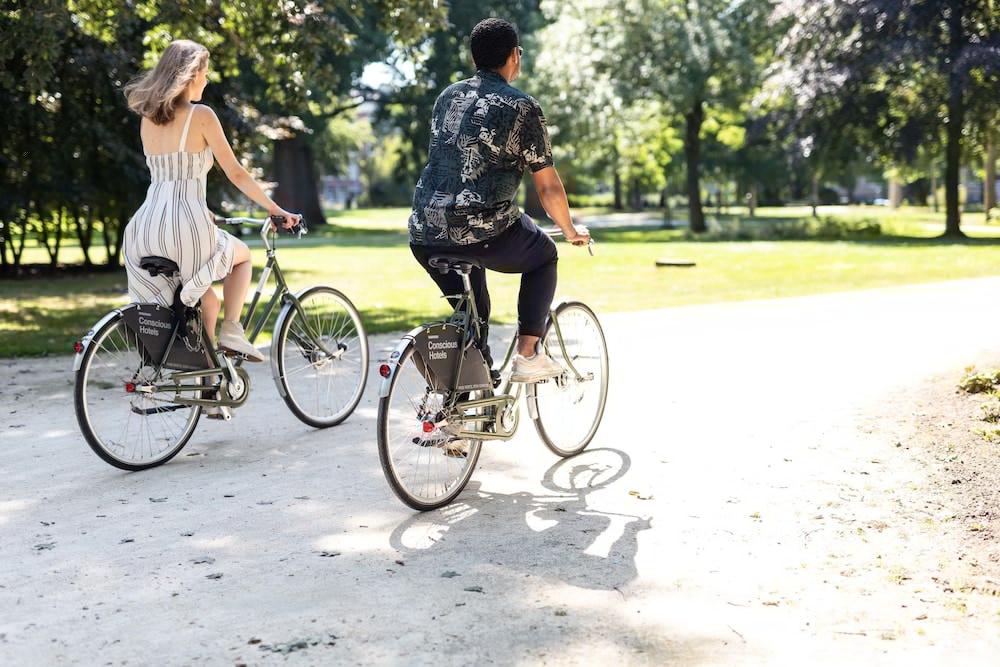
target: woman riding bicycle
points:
(484, 133)
(180, 140)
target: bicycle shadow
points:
(558, 535)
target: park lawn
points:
(375, 269)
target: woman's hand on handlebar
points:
(291, 219)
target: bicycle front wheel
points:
(123, 421)
(321, 357)
(568, 409)
(426, 470)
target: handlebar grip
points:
(296, 230)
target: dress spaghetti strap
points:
(184, 134)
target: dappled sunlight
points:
(228, 543)
(354, 542)
(10, 507)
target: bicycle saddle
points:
(446, 263)
(159, 266)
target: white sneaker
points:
(232, 339)
(534, 368)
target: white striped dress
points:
(175, 222)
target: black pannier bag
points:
(153, 324)
(437, 348)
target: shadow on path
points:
(558, 535)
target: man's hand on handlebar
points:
(580, 235)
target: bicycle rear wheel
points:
(127, 426)
(421, 466)
(567, 411)
(321, 387)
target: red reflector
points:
(384, 370)
(130, 387)
(428, 427)
(78, 347)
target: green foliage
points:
(898, 75)
(974, 382)
(70, 156)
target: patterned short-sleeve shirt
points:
(484, 133)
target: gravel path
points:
(756, 496)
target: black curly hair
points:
(492, 41)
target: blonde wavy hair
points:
(157, 93)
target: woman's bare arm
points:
(210, 127)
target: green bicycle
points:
(438, 404)
(145, 371)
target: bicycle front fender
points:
(89, 337)
(393, 361)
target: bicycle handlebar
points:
(266, 225)
(552, 233)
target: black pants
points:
(522, 248)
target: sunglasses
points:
(520, 51)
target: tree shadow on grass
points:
(784, 233)
(557, 535)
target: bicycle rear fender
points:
(89, 337)
(394, 357)
(283, 313)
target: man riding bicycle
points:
(484, 133)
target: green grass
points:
(365, 254)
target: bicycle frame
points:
(466, 317)
(228, 369)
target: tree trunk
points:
(618, 190)
(692, 156)
(4, 231)
(934, 189)
(895, 193)
(814, 194)
(956, 118)
(990, 176)
(295, 172)
(635, 195)
(84, 232)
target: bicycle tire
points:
(281, 375)
(83, 416)
(533, 389)
(386, 459)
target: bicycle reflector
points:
(78, 347)
(384, 370)
(130, 387)
(428, 427)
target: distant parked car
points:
(880, 202)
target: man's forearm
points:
(555, 203)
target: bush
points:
(582, 201)
(977, 383)
(826, 228)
